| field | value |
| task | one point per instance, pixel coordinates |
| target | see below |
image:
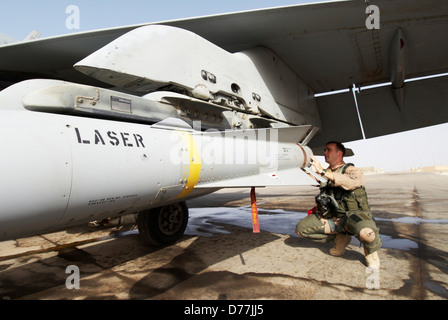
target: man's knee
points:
(312, 228)
(300, 231)
(367, 235)
(309, 225)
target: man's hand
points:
(316, 164)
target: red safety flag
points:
(255, 222)
(311, 211)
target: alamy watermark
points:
(73, 280)
(373, 20)
(229, 147)
(226, 147)
(373, 278)
(73, 20)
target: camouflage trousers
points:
(313, 228)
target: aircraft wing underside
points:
(327, 45)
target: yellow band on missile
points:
(194, 169)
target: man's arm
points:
(352, 178)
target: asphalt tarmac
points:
(220, 258)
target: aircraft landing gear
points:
(163, 225)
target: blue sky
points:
(18, 18)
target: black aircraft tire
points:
(164, 225)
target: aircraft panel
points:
(425, 104)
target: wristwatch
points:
(323, 172)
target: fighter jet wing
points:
(328, 45)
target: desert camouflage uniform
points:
(353, 209)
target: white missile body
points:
(60, 170)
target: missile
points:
(63, 163)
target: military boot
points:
(372, 259)
(340, 243)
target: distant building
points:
(431, 169)
(372, 170)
